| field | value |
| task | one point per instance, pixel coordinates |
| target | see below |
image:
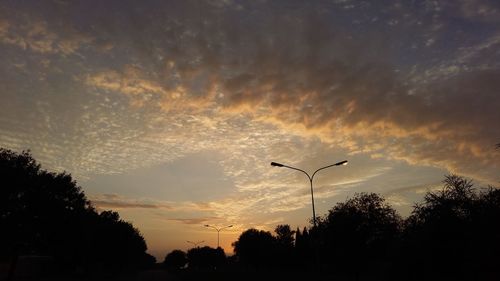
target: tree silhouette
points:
(116, 244)
(175, 260)
(356, 234)
(486, 236)
(455, 232)
(40, 212)
(255, 248)
(206, 258)
(285, 251)
(47, 213)
(284, 235)
(303, 250)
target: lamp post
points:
(196, 243)
(218, 231)
(275, 164)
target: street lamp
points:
(196, 243)
(218, 231)
(310, 179)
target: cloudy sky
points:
(170, 112)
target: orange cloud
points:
(36, 36)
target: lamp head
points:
(276, 164)
(341, 163)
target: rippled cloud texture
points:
(108, 88)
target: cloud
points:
(370, 102)
(194, 220)
(480, 10)
(360, 103)
(135, 83)
(115, 201)
(121, 205)
(36, 36)
(397, 200)
(128, 82)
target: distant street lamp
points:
(310, 179)
(218, 231)
(196, 243)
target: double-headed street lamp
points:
(218, 231)
(310, 179)
(195, 244)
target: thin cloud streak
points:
(115, 201)
(194, 221)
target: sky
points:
(170, 112)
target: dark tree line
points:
(355, 236)
(454, 234)
(198, 258)
(47, 214)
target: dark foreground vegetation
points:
(46, 220)
(48, 226)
